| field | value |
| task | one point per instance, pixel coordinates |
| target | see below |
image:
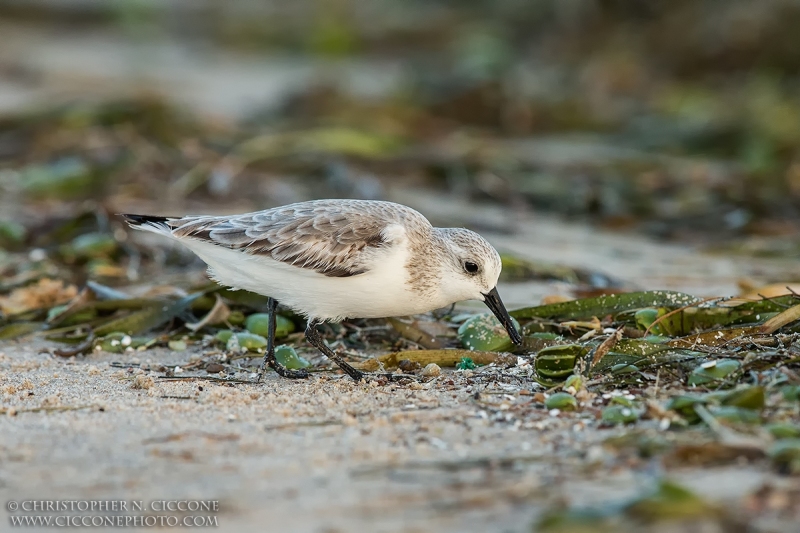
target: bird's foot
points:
(280, 370)
(357, 375)
(388, 376)
(290, 374)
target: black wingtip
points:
(138, 220)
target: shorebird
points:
(334, 259)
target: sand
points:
(467, 451)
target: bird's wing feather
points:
(330, 238)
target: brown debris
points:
(43, 294)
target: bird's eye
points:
(470, 267)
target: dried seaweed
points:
(440, 357)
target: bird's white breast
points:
(382, 291)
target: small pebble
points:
(407, 365)
(214, 368)
(142, 381)
(431, 371)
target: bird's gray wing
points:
(327, 237)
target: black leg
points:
(317, 341)
(269, 357)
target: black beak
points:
(493, 302)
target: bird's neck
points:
(425, 266)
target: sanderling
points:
(336, 259)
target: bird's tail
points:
(149, 223)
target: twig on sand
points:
(303, 423)
(12, 411)
(451, 465)
(207, 378)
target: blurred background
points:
(608, 136)
(600, 145)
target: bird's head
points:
(471, 270)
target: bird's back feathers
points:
(330, 237)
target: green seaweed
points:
(148, 318)
(612, 304)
